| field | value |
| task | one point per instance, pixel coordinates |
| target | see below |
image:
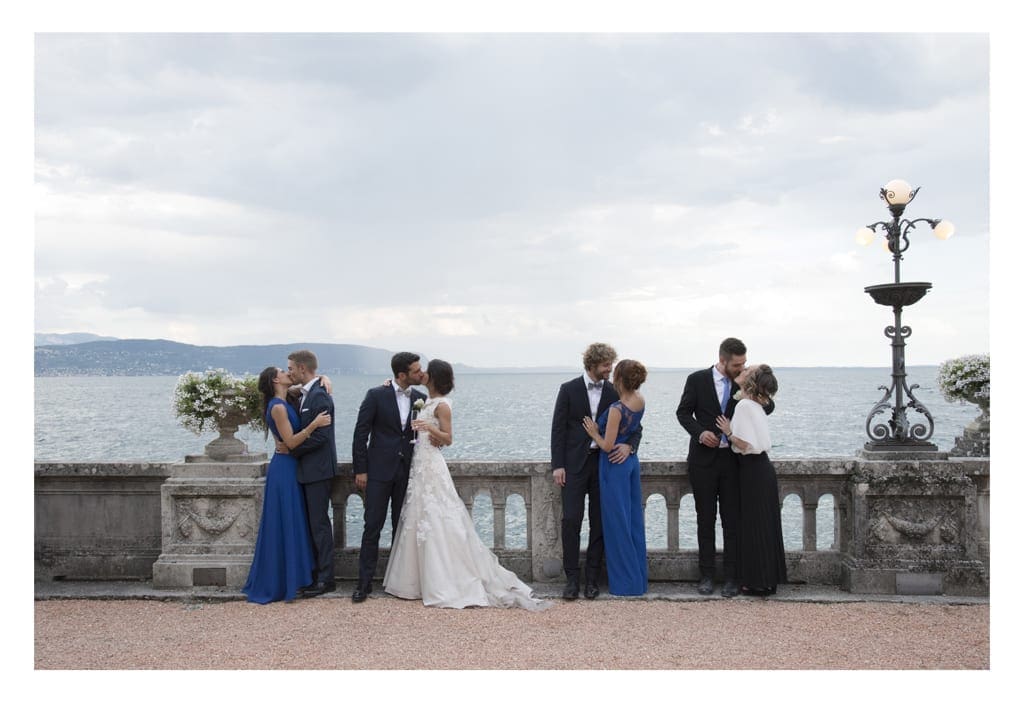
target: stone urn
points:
(980, 422)
(227, 447)
(976, 439)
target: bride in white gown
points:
(436, 554)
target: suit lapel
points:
(392, 406)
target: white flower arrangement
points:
(202, 400)
(965, 379)
(418, 405)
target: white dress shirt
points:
(305, 391)
(720, 387)
(404, 403)
(594, 395)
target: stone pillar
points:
(914, 530)
(210, 515)
(498, 507)
(810, 525)
(545, 511)
(672, 501)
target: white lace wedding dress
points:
(436, 554)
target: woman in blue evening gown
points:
(622, 505)
(283, 560)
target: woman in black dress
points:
(761, 559)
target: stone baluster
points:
(837, 512)
(498, 499)
(810, 524)
(672, 501)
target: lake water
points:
(820, 412)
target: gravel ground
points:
(387, 633)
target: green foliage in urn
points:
(965, 379)
(203, 400)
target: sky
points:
(505, 199)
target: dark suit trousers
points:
(318, 501)
(577, 488)
(375, 512)
(717, 486)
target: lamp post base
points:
(901, 450)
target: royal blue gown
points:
(622, 512)
(283, 560)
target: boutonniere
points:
(738, 395)
(418, 405)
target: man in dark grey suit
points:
(574, 463)
(381, 455)
(317, 467)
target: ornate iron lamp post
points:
(898, 434)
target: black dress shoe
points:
(361, 592)
(318, 589)
(572, 589)
(590, 591)
(730, 589)
(706, 586)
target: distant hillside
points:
(159, 357)
(71, 338)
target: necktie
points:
(726, 387)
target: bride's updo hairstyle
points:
(630, 374)
(760, 383)
(441, 376)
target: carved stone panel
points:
(208, 520)
(916, 526)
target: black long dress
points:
(761, 558)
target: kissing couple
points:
(436, 554)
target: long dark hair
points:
(265, 384)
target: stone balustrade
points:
(898, 526)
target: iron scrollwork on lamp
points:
(898, 434)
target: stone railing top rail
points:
(821, 467)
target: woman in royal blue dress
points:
(283, 560)
(622, 505)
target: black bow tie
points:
(599, 385)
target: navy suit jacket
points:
(381, 445)
(570, 443)
(318, 455)
(698, 409)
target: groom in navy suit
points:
(317, 467)
(381, 454)
(711, 464)
(574, 463)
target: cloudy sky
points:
(505, 199)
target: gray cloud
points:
(491, 185)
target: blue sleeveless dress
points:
(283, 560)
(622, 512)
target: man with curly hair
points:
(574, 464)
